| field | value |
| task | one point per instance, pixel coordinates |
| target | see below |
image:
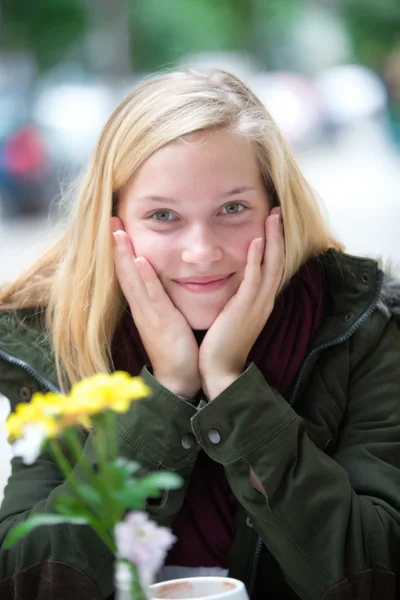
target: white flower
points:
(28, 447)
(143, 543)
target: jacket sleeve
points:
(330, 522)
(145, 434)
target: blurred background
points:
(328, 71)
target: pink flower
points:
(143, 543)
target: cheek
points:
(238, 243)
(157, 249)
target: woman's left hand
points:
(226, 346)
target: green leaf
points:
(67, 505)
(130, 497)
(147, 490)
(71, 507)
(115, 474)
(22, 529)
(163, 480)
(152, 485)
(127, 466)
(90, 495)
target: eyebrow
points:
(234, 192)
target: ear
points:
(116, 224)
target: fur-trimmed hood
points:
(389, 299)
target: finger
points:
(155, 290)
(126, 270)
(117, 227)
(276, 210)
(252, 273)
(274, 255)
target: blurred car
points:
(71, 114)
(293, 102)
(350, 94)
(25, 166)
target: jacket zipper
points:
(41, 379)
(254, 562)
(340, 340)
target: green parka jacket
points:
(328, 458)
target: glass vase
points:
(127, 582)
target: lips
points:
(203, 279)
(205, 284)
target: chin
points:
(200, 319)
(200, 322)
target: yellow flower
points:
(27, 414)
(14, 426)
(88, 397)
(48, 404)
(108, 392)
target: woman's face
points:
(192, 210)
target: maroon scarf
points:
(205, 524)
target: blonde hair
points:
(75, 280)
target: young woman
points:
(196, 255)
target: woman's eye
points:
(233, 208)
(163, 215)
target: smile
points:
(203, 285)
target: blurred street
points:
(358, 179)
(357, 176)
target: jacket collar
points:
(354, 289)
(389, 300)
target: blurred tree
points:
(47, 28)
(271, 31)
(164, 31)
(374, 28)
(111, 36)
(108, 42)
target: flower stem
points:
(81, 460)
(73, 483)
(111, 435)
(137, 591)
(100, 442)
(61, 460)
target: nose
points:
(201, 247)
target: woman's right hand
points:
(164, 331)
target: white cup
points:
(200, 588)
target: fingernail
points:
(118, 238)
(276, 219)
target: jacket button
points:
(249, 523)
(214, 436)
(188, 441)
(365, 278)
(349, 316)
(25, 393)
